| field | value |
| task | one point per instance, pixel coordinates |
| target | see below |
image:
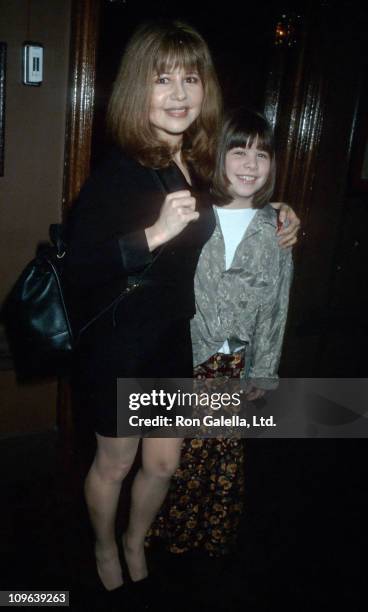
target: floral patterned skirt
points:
(204, 504)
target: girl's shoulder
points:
(267, 218)
(268, 214)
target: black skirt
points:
(161, 351)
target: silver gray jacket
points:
(246, 304)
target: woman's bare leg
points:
(160, 458)
(113, 460)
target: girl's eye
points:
(239, 152)
(263, 154)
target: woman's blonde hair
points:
(156, 48)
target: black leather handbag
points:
(36, 313)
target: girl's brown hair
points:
(156, 48)
(242, 128)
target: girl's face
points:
(247, 169)
(176, 101)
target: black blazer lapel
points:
(170, 179)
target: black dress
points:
(149, 335)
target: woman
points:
(137, 216)
(164, 111)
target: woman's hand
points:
(177, 211)
(288, 233)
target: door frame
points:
(78, 138)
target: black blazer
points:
(107, 243)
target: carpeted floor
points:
(299, 543)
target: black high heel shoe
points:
(141, 591)
(113, 598)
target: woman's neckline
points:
(189, 183)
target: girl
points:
(242, 287)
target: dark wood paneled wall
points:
(312, 94)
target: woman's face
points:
(176, 101)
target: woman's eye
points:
(239, 152)
(263, 155)
(192, 79)
(161, 80)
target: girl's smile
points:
(247, 179)
(247, 169)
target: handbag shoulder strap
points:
(57, 237)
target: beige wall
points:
(31, 188)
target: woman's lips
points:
(177, 112)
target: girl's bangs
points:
(178, 52)
(264, 141)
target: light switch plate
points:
(32, 64)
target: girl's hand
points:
(177, 211)
(252, 393)
(288, 233)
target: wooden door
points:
(305, 68)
